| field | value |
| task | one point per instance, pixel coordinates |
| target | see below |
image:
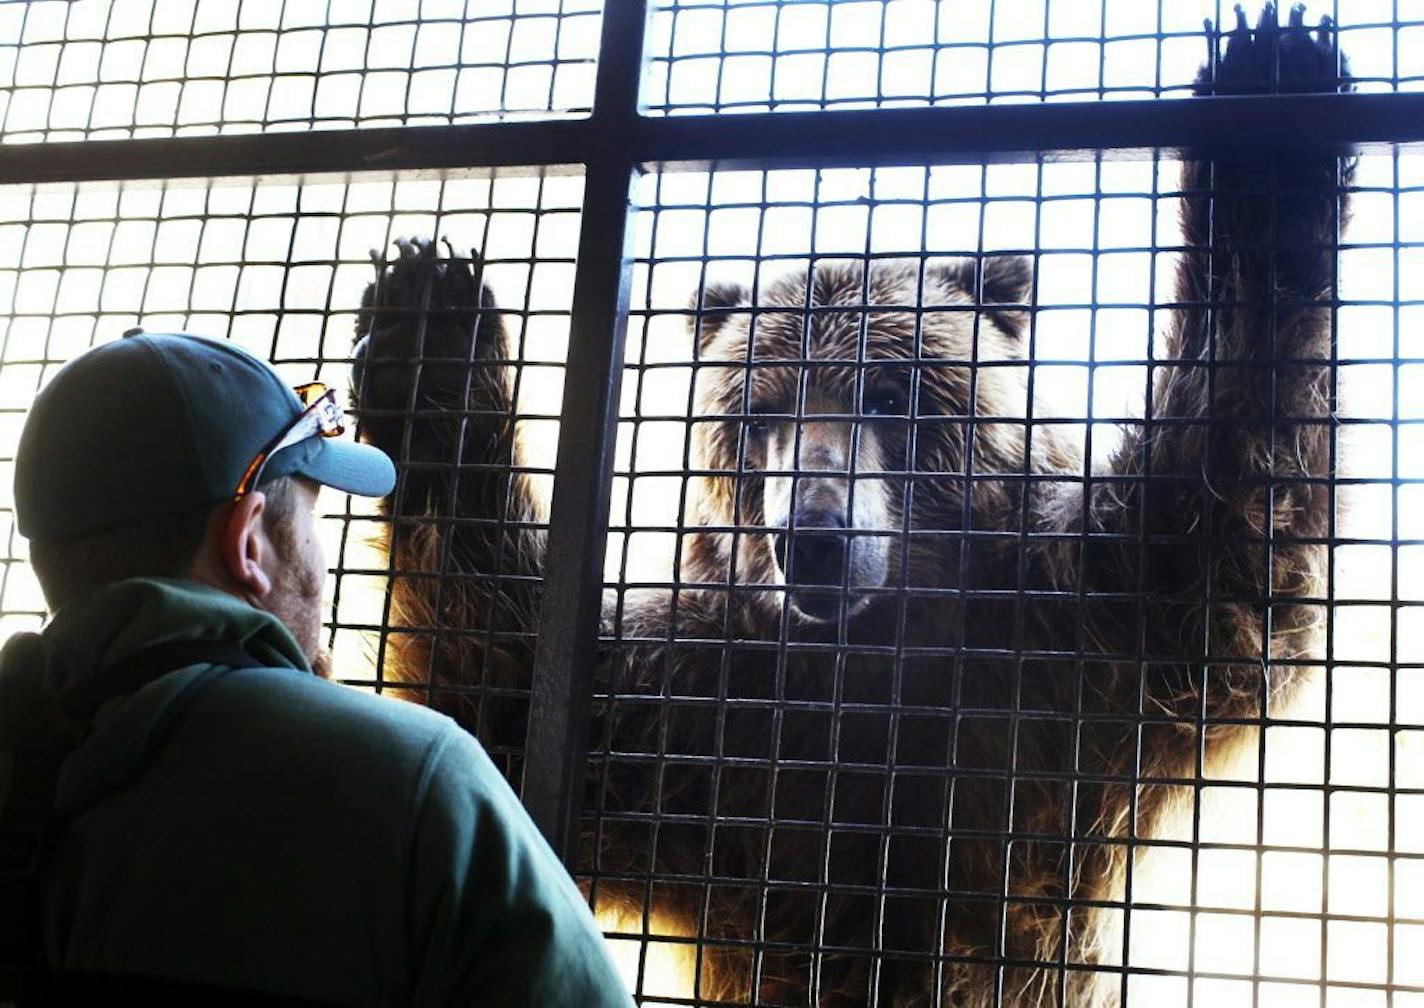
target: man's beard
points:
(296, 601)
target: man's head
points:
(178, 456)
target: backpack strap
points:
(128, 675)
(27, 819)
(86, 990)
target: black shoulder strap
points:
(130, 674)
(26, 821)
(87, 990)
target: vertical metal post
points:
(566, 655)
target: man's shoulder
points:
(316, 717)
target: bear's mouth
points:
(826, 571)
(827, 604)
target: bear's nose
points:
(816, 557)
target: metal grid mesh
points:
(280, 267)
(769, 803)
(791, 55)
(784, 781)
(107, 69)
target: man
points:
(225, 826)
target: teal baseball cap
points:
(157, 424)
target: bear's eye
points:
(887, 401)
(757, 421)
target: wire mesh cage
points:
(774, 756)
(108, 70)
(903, 554)
(725, 56)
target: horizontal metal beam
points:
(1339, 123)
(1360, 122)
(317, 152)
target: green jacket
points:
(267, 830)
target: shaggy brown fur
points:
(1036, 655)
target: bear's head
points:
(833, 408)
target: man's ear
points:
(713, 306)
(240, 548)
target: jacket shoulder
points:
(313, 721)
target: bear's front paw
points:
(1274, 59)
(426, 330)
(1282, 209)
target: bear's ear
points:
(997, 283)
(1007, 279)
(992, 280)
(712, 306)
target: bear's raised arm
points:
(1226, 498)
(434, 389)
(434, 381)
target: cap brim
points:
(355, 468)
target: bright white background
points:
(279, 266)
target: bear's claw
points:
(423, 340)
(1273, 58)
(420, 278)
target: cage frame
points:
(612, 147)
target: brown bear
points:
(924, 675)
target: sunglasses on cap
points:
(320, 417)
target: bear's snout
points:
(827, 565)
(816, 557)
